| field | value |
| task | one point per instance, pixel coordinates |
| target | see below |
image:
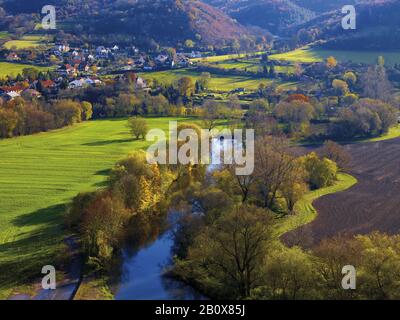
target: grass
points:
(3, 34)
(305, 211)
(308, 55)
(12, 69)
(38, 175)
(217, 83)
(225, 57)
(393, 133)
(26, 42)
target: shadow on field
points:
(107, 142)
(22, 259)
(50, 215)
(104, 173)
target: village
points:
(75, 68)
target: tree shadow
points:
(23, 258)
(108, 142)
(48, 216)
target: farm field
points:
(373, 203)
(217, 82)
(308, 55)
(38, 175)
(12, 69)
(26, 42)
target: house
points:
(196, 54)
(67, 69)
(30, 94)
(102, 52)
(83, 67)
(63, 48)
(7, 89)
(161, 58)
(140, 83)
(13, 57)
(11, 95)
(76, 84)
(47, 84)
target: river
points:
(142, 272)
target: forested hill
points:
(378, 27)
(164, 21)
(272, 15)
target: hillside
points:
(272, 15)
(321, 6)
(164, 21)
(378, 27)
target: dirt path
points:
(373, 203)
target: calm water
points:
(142, 277)
(142, 273)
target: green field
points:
(26, 42)
(40, 173)
(3, 34)
(217, 82)
(12, 69)
(307, 55)
(225, 57)
(305, 211)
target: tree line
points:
(23, 117)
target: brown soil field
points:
(372, 204)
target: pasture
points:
(308, 55)
(218, 83)
(12, 69)
(26, 42)
(42, 172)
(3, 34)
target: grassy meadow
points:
(26, 42)
(42, 172)
(3, 34)
(308, 55)
(218, 83)
(12, 69)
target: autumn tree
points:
(87, 110)
(376, 84)
(211, 114)
(186, 87)
(8, 122)
(340, 86)
(338, 154)
(296, 114)
(230, 252)
(67, 112)
(273, 164)
(294, 186)
(138, 127)
(331, 62)
(321, 172)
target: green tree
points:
(87, 110)
(321, 172)
(138, 127)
